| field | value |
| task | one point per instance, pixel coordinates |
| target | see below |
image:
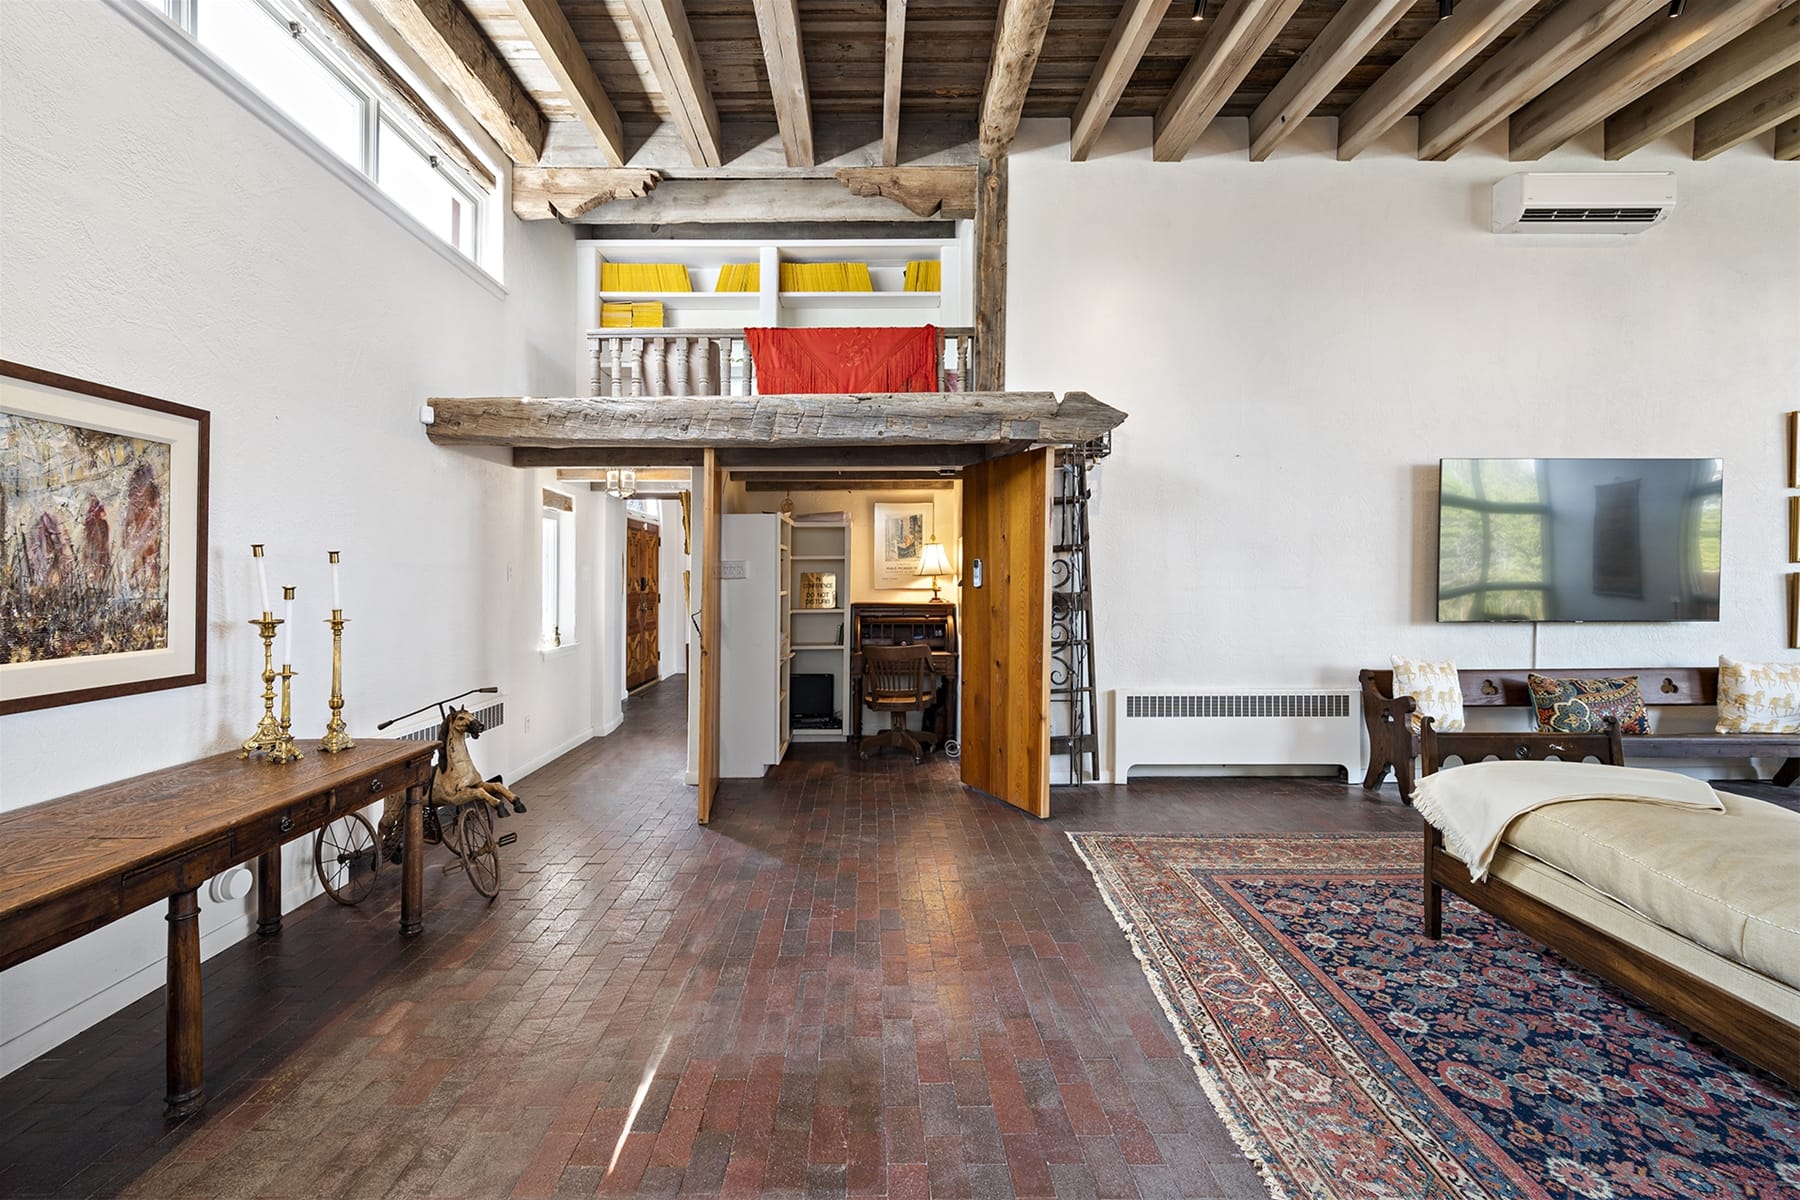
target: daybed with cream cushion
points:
(1694, 910)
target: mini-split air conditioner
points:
(1585, 203)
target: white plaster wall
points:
(159, 237)
(1298, 342)
(671, 616)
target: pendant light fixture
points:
(1445, 8)
(1199, 11)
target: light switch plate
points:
(732, 568)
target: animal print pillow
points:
(1582, 705)
(1434, 688)
(1758, 697)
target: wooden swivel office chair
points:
(898, 680)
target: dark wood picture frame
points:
(1793, 582)
(183, 663)
(1793, 449)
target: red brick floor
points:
(858, 980)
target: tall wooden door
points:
(643, 603)
(1005, 627)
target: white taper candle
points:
(337, 601)
(262, 575)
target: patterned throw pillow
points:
(1434, 688)
(1582, 705)
(1758, 697)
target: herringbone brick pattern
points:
(858, 980)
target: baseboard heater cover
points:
(1220, 727)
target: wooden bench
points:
(1394, 742)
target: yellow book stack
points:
(740, 277)
(924, 275)
(826, 277)
(644, 277)
(625, 314)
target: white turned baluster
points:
(618, 377)
(678, 369)
(656, 367)
(634, 354)
(598, 382)
(704, 382)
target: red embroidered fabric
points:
(790, 361)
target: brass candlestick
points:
(268, 730)
(284, 751)
(336, 737)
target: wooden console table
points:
(71, 865)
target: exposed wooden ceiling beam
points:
(644, 474)
(636, 457)
(1567, 36)
(1654, 51)
(865, 483)
(893, 60)
(556, 43)
(447, 38)
(730, 201)
(947, 193)
(1234, 40)
(1434, 58)
(778, 24)
(1350, 35)
(1018, 38)
(752, 146)
(786, 476)
(1787, 140)
(1724, 73)
(1124, 49)
(668, 42)
(870, 456)
(1753, 111)
(545, 193)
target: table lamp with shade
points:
(934, 562)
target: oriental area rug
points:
(1352, 1057)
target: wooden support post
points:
(711, 531)
(268, 892)
(990, 275)
(186, 1091)
(412, 864)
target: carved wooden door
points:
(1005, 625)
(643, 595)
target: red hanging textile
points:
(790, 361)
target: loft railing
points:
(716, 362)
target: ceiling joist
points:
(1654, 51)
(1567, 36)
(892, 62)
(1752, 58)
(778, 24)
(1343, 43)
(739, 201)
(556, 43)
(1018, 39)
(668, 42)
(946, 193)
(1787, 140)
(783, 482)
(443, 34)
(1753, 111)
(1234, 40)
(1124, 49)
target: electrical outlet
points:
(527, 724)
(732, 568)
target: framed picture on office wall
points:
(103, 546)
(1793, 441)
(901, 531)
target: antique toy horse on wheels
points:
(454, 781)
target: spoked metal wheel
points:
(480, 853)
(345, 857)
(449, 833)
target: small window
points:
(556, 594)
(270, 57)
(420, 186)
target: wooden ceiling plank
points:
(1018, 39)
(778, 24)
(1444, 50)
(1787, 141)
(1131, 33)
(446, 37)
(1343, 43)
(548, 28)
(1758, 54)
(668, 43)
(1567, 36)
(1654, 51)
(893, 60)
(947, 193)
(1234, 40)
(1753, 111)
(545, 193)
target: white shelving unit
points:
(756, 643)
(820, 642)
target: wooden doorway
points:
(643, 603)
(1006, 629)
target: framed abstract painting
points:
(103, 505)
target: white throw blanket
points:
(1473, 804)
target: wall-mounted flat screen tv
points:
(1579, 539)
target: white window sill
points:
(546, 653)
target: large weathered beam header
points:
(665, 424)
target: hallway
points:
(859, 979)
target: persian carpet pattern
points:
(1353, 1057)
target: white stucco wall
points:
(158, 236)
(1298, 342)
